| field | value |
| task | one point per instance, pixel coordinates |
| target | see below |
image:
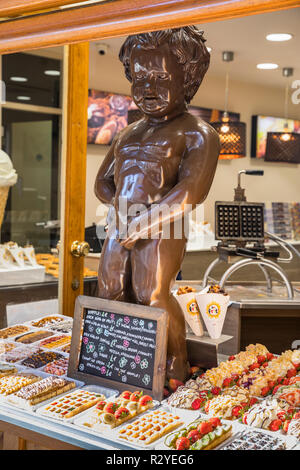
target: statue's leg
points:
(155, 265)
(114, 275)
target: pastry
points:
(19, 353)
(59, 367)
(63, 327)
(33, 336)
(40, 359)
(71, 404)
(66, 348)
(265, 415)
(50, 320)
(6, 347)
(294, 428)
(56, 341)
(216, 289)
(6, 369)
(14, 382)
(42, 390)
(230, 404)
(255, 440)
(200, 435)
(150, 427)
(185, 290)
(13, 331)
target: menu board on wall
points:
(119, 345)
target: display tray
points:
(21, 275)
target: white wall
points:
(280, 182)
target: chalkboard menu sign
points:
(119, 345)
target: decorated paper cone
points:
(4, 190)
(6, 259)
(191, 312)
(213, 308)
(30, 255)
(18, 254)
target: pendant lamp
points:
(232, 134)
(283, 146)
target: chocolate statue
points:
(166, 159)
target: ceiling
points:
(246, 38)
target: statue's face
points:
(157, 81)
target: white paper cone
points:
(191, 312)
(6, 259)
(30, 255)
(18, 255)
(213, 308)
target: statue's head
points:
(165, 68)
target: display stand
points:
(203, 350)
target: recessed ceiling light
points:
(18, 79)
(52, 73)
(279, 37)
(267, 66)
(23, 98)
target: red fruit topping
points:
(235, 377)
(236, 411)
(270, 356)
(145, 400)
(205, 428)
(101, 405)
(281, 415)
(244, 418)
(286, 425)
(206, 409)
(231, 358)
(275, 389)
(261, 359)
(297, 365)
(286, 382)
(125, 395)
(291, 373)
(264, 365)
(253, 401)
(265, 391)
(271, 384)
(135, 396)
(196, 404)
(194, 436)
(216, 390)
(254, 366)
(174, 384)
(215, 422)
(227, 382)
(183, 443)
(275, 425)
(111, 407)
(297, 415)
(166, 392)
(121, 412)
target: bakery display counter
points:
(249, 400)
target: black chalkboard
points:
(119, 345)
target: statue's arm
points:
(194, 181)
(104, 185)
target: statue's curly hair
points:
(187, 44)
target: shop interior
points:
(254, 77)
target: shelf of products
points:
(249, 401)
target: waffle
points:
(109, 414)
(40, 359)
(55, 342)
(6, 347)
(71, 404)
(33, 336)
(63, 327)
(255, 440)
(13, 331)
(59, 367)
(47, 321)
(150, 427)
(42, 390)
(6, 369)
(13, 383)
(199, 435)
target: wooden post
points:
(73, 180)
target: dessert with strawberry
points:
(199, 435)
